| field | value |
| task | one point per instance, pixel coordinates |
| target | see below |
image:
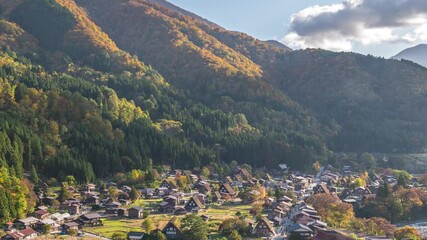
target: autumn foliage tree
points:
(407, 233)
(332, 210)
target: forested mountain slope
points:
(376, 103)
(80, 104)
(126, 84)
(219, 72)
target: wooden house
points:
(226, 189)
(122, 212)
(167, 184)
(135, 235)
(41, 214)
(111, 208)
(166, 207)
(332, 235)
(171, 230)
(264, 228)
(136, 212)
(24, 234)
(203, 187)
(194, 205)
(178, 210)
(49, 201)
(90, 220)
(69, 226)
(216, 197)
(54, 227)
(321, 188)
(300, 231)
(74, 209)
(243, 172)
(93, 200)
(29, 222)
(89, 187)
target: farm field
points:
(216, 214)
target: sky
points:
(377, 27)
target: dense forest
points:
(160, 87)
(360, 103)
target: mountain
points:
(215, 66)
(96, 88)
(416, 54)
(278, 45)
(184, 12)
(378, 103)
(353, 93)
(76, 100)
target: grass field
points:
(112, 225)
(216, 213)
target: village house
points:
(300, 231)
(49, 201)
(346, 193)
(331, 235)
(167, 184)
(202, 197)
(111, 208)
(317, 225)
(90, 220)
(90, 187)
(24, 234)
(29, 222)
(54, 227)
(74, 209)
(92, 200)
(361, 191)
(264, 228)
(178, 210)
(166, 207)
(136, 212)
(135, 235)
(321, 188)
(226, 189)
(40, 214)
(162, 191)
(171, 230)
(216, 197)
(60, 218)
(276, 212)
(148, 192)
(238, 178)
(194, 205)
(203, 187)
(243, 172)
(169, 203)
(66, 227)
(126, 189)
(122, 212)
(8, 226)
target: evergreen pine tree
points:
(133, 194)
(34, 175)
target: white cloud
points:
(366, 22)
(418, 34)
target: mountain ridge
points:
(416, 54)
